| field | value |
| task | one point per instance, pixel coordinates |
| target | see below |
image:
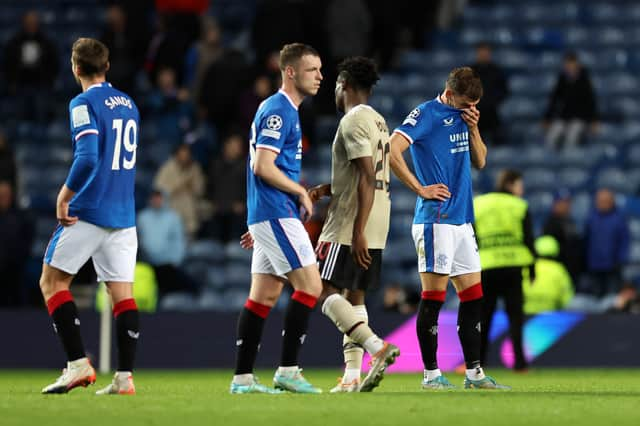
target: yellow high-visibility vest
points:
(499, 230)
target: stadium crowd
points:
(198, 71)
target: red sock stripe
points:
(472, 293)
(123, 306)
(257, 308)
(304, 298)
(58, 299)
(438, 296)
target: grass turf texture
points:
(179, 398)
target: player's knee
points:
(48, 286)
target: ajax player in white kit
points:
(96, 214)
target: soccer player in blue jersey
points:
(443, 137)
(96, 214)
(276, 203)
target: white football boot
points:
(78, 373)
(122, 384)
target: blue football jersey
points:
(107, 198)
(276, 127)
(439, 140)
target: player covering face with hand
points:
(444, 140)
(355, 232)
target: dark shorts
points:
(338, 267)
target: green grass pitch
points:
(180, 398)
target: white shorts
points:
(280, 246)
(446, 249)
(113, 251)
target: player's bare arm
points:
(366, 194)
(62, 207)
(265, 168)
(478, 149)
(319, 191)
(400, 144)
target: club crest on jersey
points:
(412, 117)
(448, 122)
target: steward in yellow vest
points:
(505, 242)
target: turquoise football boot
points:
(254, 387)
(294, 383)
(439, 383)
(487, 383)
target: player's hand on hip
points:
(438, 191)
(246, 241)
(62, 214)
(360, 250)
(306, 207)
(471, 116)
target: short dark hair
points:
(507, 178)
(465, 81)
(290, 54)
(359, 72)
(91, 56)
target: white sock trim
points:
(373, 345)
(475, 373)
(243, 379)
(432, 374)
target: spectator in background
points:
(552, 289)
(504, 232)
(16, 236)
(182, 180)
(348, 27)
(31, 67)
(561, 226)
(251, 98)
(227, 191)
(223, 81)
(125, 52)
(163, 244)
(7, 162)
(397, 298)
(169, 106)
(607, 245)
(494, 84)
(202, 54)
(572, 105)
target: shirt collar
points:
(288, 98)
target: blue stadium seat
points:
(207, 250)
(216, 277)
(537, 156)
(403, 201)
(238, 274)
(539, 202)
(182, 302)
(573, 178)
(538, 178)
(211, 301)
(615, 179)
(233, 251)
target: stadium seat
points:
(206, 250)
(539, 178)
(182, 302)
(615, 179)
(573, 178)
